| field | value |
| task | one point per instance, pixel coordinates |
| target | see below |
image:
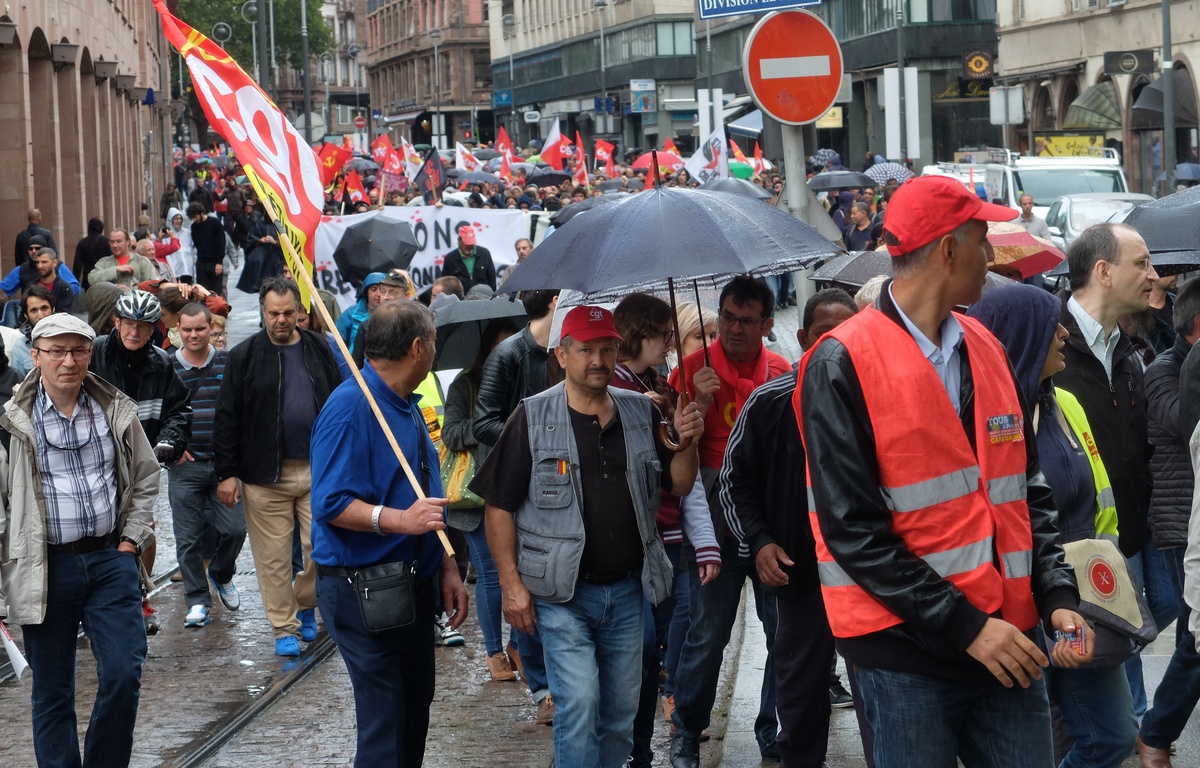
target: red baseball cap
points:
(587, 323)
(928, 207)
(466, 234)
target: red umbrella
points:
(1021, 250)
(668, 162)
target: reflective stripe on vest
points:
(960, 508)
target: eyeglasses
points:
(747, 323)
(57, 354)
(218, 335)
(1141, 265)
(668, 337)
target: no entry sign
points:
(793, 66)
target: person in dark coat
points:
(35, 228)
(264, 256)
(89, 250)
(469, 262)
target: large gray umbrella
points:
(738, 187)
(831, 180)
(882, 172)
(571, 210)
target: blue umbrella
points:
(1183, 172)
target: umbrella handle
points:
(666, 430)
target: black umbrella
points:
(1173, 228)
(545, 177)
(738, 187)
(375, 245)
(667, 232)
(362, 165)
(460, 327)
(610, 184)
(831, 180)
(486, 154)
(853, 270)
(474, 177)
(1165, 263)
(574, 209)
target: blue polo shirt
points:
(351, 460)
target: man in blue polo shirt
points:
(366, 513)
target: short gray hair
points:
(389, 332)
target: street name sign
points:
(793, 66)
(715, 9)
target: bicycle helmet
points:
(139, 305)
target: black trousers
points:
(803, 651)
(207, 276)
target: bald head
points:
(35, 216)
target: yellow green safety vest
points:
(1106, 504)
(432, 407)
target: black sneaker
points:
(839, 697)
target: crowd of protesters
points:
(907, 495)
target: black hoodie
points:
(89, 250)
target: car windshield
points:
(1048, 184)
(1085, 213)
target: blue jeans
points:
(533, 661)
(101, 590)
(930, 722)
(681, 606)
(391, 673)
(593, 657)
(1098, 711)
(488, 606)
(1152, 574)
(714, 610)
(193, 484)
(1177, 694)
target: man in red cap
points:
(935, 531)
(469, 262)
(572, 491)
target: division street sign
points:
(793, 66)
(714, 9)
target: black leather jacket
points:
(1116, 411)
(939, 621)
(1171, 463)
(515, 370)
(164, 401)
(248, 426)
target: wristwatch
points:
(375, 513)
(137, 550)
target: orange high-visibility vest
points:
(965, 516)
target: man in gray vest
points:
(573, 486)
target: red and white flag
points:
(580, 177)
(506, 165)
(738, 154)
(276, 159)
(669, 146)
(503, 143)
(380, 149)
(759, 167)
(552, 150)
(393, 164)
(412, 159)
(354, 189)
(464, 160)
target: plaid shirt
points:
(77, 464)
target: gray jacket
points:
(550, 534)
(23, 575)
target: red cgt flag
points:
(277, 161)
(380, 149)
(353, 187)
(669, 146)
(332, 157)
(503, 143)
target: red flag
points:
(580, 155)
(503, 143)
(581, 174)
(353, 186)
(604, 152)
(332, 159)
(277, 161)
(669, 146)
(380, 149)
(758, 159)
(738, 155)
(506, 165)
(609, 169)
(393, 164)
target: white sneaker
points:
(448, 636)
(228, 594)
(197, 616)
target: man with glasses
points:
(126, 359)
(81, 482)
(122, 267)
(742, 363)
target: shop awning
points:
(1148, 109)
(750, 126)
(1098, 107)
(403, 117)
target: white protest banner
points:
(436, 231)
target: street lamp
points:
(326, 59)
(435, 37)
(510, 29)
(352, 51)
(249, 14)
(600, 5)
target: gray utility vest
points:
(550, 535)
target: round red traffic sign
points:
(793, 66)
(360, 122)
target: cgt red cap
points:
(588, 323)
(928, 207)
(466, 234)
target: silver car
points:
(1071, 214)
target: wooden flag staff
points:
(327, 321)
